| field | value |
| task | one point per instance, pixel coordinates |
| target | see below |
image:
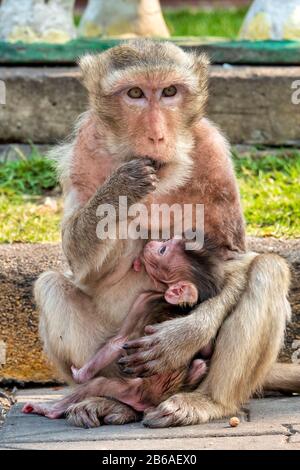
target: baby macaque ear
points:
(182, 292)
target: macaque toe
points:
(82, 416)
(92, 412)
(182, 410)
(122, 418)
(159, 417)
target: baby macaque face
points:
(160, 256)
(166, 263)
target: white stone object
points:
(37, 21)
(272, 19)
(128, 18)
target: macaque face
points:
(153, 116)
(165, 263)
(160, 256)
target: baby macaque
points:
(181, 279)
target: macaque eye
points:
(162, 250)
(135, 93)
(169, 91)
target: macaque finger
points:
(150, 368)
(150, 329)
(143, 342)
(138, 358)
(135, 371)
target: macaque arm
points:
(207, 318)
(173, 343)
(81, 244)
(113, 349)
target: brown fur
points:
(81, 310)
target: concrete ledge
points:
(251, 104)
(20, 350)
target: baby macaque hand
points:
(81, 375)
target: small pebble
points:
(234, 422)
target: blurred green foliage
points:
(219, 22)
(192, 22)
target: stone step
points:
(270, 423)
(251, 104)
(20, 349)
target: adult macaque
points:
(147, 99)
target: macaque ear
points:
(182, 293)
(201, 64)
(92, 67)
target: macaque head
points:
(191, 276)
(148, 95)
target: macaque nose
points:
(156, 140)
(153, 245)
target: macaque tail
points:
(283, 378)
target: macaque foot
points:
(94, 412)
(52, 411)
(196, 372)
(183, 409)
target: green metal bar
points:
(220, 51)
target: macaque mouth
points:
(158, 164)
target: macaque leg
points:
(101, 386)
(246, 349)
(86, 394)
(283, 378)
(140, 393)
(113, 349)
(61, 307)
(110, 352)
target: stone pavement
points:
(269, 423)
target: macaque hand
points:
(137, 176)
(167, 346)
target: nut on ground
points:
(234, 422)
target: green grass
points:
(27, 221)
(269, 185)
(270, 192)
(191, 22)
(219, 22)
(24, 216)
